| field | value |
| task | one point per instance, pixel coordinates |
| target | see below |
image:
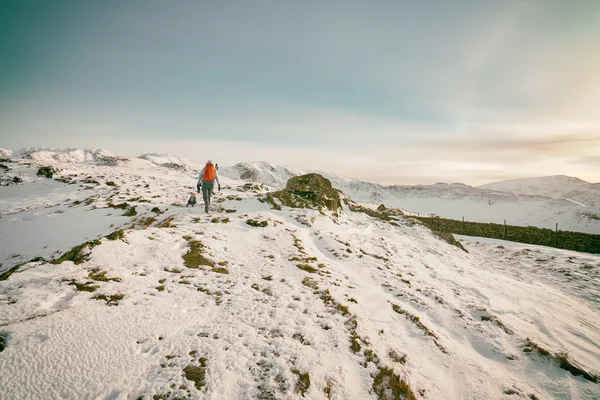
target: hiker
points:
(206, 181)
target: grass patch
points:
(310, 283)
(448, 238)
(417, 322)
(111, 300)
(6, 274)
(156, 210)
(166, 223)
(220, 270)
(197, 374)
(256, 223)
(307, 268)
(78, 254)
(194, 258)
(146, 222)
(386, 382)
(303, 382)
(95, 275)
(111, 183)
(116, 235)
(131, 212)
(47, 172)
(563, 361)
(83, 287)
(160, 288)
(3, 340)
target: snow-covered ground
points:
(311, 305)
(572, 203)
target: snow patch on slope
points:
(51, 156)
(170, 161)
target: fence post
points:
(504, 233)
(463, 226)
(556, 236)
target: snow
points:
(478, 204)
(555, 186)
(5, 152)
(170, 161)
(266, 321)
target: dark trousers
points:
(207, 188)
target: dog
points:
(192, 200)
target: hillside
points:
(580, 212)
(328, 299)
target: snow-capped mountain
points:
(111, 288)
(170, 161)
(580, 212)
(5, 153)
(572, 203)
(274, 176)
(557, 186)
(51, 156)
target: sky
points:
(395, 92)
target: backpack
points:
(209, 173)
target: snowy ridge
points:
(557, 187)
(170, 161)
(51, 156)
(274, 176)
(180, 304)
(579, 212)
(5, 153)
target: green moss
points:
(166, 223)
(83, 287)
(78, 254)
(307, 268)
(95, 275)
(194, 258)
(122, 206)
(6, 274)
(47, 172)
(3, 340)
(116, 235)
(257, 224)
(111, 300)
(303, 382)
(131, 212)
(197, 374)
(310, 283)
(387, 382)
(448, 238)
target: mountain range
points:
(112, 288)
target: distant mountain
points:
(273, 176)
(571, 202)
(44, 155)
(5, 153)
(170, 161)
(556, 187)
(578, 212)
